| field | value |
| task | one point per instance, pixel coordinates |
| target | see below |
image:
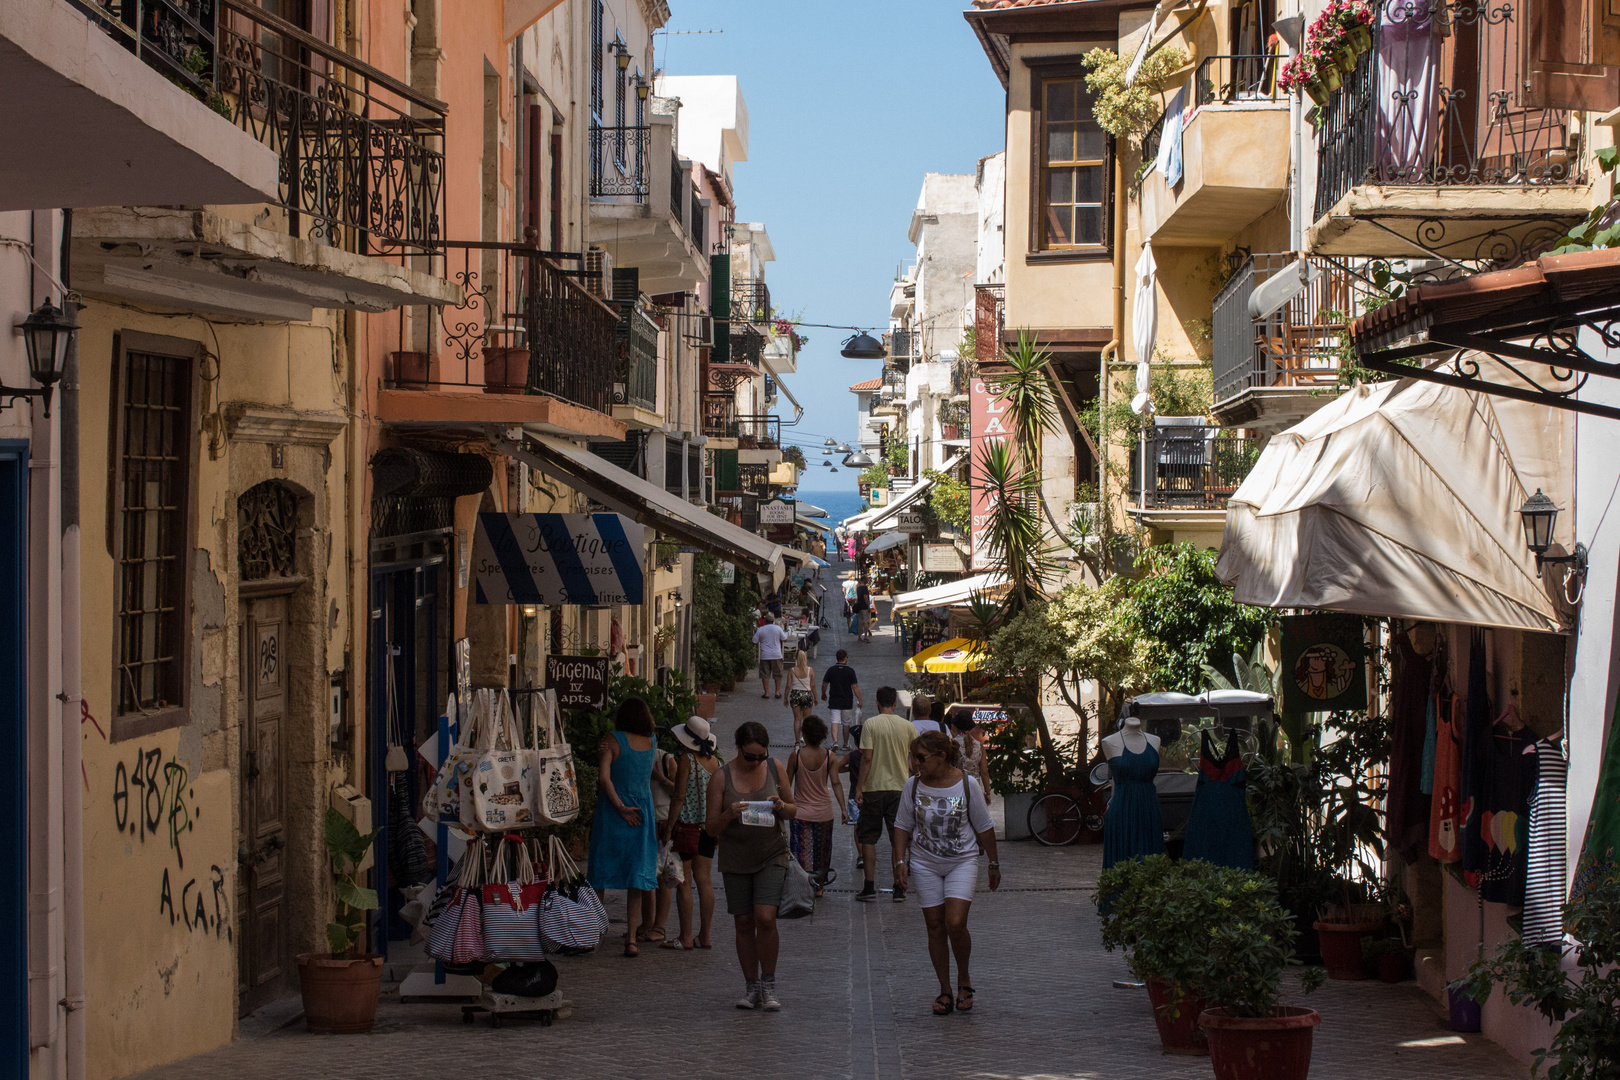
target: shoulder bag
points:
(555, 782)
(510, 906)
(504, 792)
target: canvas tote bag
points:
(554, 767)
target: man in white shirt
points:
(769, 638)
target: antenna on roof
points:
(672, 33)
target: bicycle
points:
(1058, 817)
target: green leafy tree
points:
(1129, 112)
(795, 455)
(723, 622)
(950, 499)
(1182, 603)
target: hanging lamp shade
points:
(862, 346)
(843, 448)
(860, 460)
(827, 450)
(830, 442)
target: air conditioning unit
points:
(599, 273)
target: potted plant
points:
(340, 988)
(1237, 968)
(1388, 955)
(1158, 910)
(506, 370)
(408, 370)
(1575, 984)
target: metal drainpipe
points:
(1112, 348)
(72, 697)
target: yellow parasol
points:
(955, 655)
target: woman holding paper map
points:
(749, 799)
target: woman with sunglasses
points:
(942, 820)
(749, 799)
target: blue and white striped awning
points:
(592, 559)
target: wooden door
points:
(261, 854)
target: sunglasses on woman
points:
(920, 756)
(755, 758)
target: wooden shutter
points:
(1570, 49)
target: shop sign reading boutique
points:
(552, 559)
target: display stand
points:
(511, 1006)
(435, 985)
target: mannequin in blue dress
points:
(1133, 827)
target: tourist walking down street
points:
(769, 638)
(749, 799)
(942, 823)
(692, 841)
(885, 745)
(863, 610)
(812, 770)
(624, 838)
(801, 694)
(841, 690)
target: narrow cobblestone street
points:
(856, 986)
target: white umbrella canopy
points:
(885, 542)
(1144, 323)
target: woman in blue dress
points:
(624, 838)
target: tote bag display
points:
(510, 906)
(446, 940)
(503, 778)
(449, 801)
(554, 768)
(572, 918)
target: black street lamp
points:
(1538, 515)
(862, 346)
(46, 333)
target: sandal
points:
(943, 1004)
(630, 951)
(964, 999)
(671, 945)
(655, 934)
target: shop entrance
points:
(261, 877)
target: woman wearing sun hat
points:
(692, 843)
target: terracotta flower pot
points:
(705, 706)
(408, 370)
(1179, 1032)
(340, 995)
(506, 371)
(1341, 947)
(1261, 1047)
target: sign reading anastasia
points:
(557, 559)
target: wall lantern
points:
(679, 600)
(621, 55)
(46, 334)
(643, 88)
(862, 346)
(1538, 515)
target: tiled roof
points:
(869, 384)
(993, 5)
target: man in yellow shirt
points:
(885, 748)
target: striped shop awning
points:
(591, 559)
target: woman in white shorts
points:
(942, 821)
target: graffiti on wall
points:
(153, 799)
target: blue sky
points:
(849, 103)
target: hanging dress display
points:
(1133, 826)
(1445, 808)
(1496, 783)
(1544, 874)
(1407, 813)
(1218, 829)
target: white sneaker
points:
(750, 998)
(767, 997)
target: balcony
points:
(108, 104)
(1445, 142)
(1271, 373)
(1234, 149)
(644, 210)
(747, 344)
(357, 213)
(720, 419)
(528, 345)
(905, 349)
(751, 302)
(635, 393)
(1192, 470)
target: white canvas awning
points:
(1401, 499)
(888, 515)
(885, 542)
(810, 510)
(626, 493)
(952, 592)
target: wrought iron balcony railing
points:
(362, 154)
(759, 431)
(524, 327)
(905, 348)
(1225, 79)
(1192, 467)
(1298, 345)
(751, 301)
(747, 343)
(619, 162)
(637, 341)
(1442, 100)
(176, 37)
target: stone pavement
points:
(856, 987)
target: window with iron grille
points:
(619, 85)
(153, 452)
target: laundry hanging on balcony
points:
(1169, 162)
(1144, 325)
(1400, 499)
(557, 559)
